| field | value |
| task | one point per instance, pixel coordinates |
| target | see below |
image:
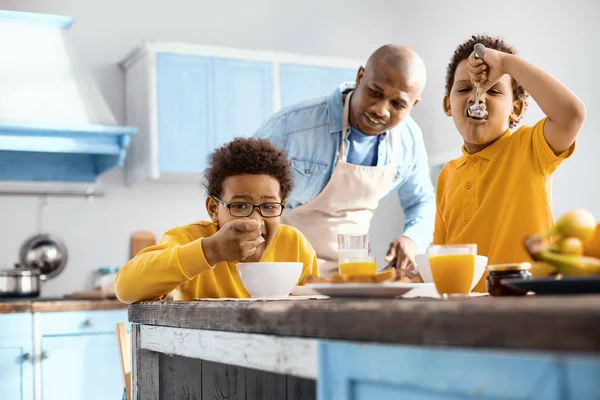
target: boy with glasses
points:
(248, 181)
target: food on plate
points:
(384, 276)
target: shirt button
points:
(473, 160)
(468, 185)
(307, 171)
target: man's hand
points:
(236, 240)
(404, 251)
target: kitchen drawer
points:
(16, 325)
(80, 322)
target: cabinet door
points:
(371, 371)
(243, 95)
(302, 82)
(16, 369)
(184, 107)
(81, 367)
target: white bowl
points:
(425, 271)
(269, 279)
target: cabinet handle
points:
(26, 357)
(43, 356)
(87, 323)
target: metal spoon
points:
(476, 110)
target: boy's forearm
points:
(154, 272)
(559, 104)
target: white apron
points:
(345, 205)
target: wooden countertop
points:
(15, 306)
(58, 305)
(538, 323)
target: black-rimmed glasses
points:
(245, 209)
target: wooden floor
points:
(217, 381)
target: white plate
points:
(378, 290)
(303, 291)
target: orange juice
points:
(452, 273)
(358, 268)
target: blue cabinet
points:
(189, 99)
(184, 109)
(78, 356)
(303, 82)
(204, 102)
(187, 106)
(367, 371)
(16, 357)
(243, 98)
(81, 367)
(81, 345)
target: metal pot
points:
(20, 282)
(42, 257)
(44, 253)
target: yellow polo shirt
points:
(178, 263)
(496, 197)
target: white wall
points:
(97, 233)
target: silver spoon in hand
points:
(476, 110)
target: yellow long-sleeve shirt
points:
(178, 262)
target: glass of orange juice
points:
(452, 267)
(358, 266)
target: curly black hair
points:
(248, 156)
(464, 50)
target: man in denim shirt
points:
(348, 150)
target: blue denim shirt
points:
(310, 133)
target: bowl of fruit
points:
(566, 258)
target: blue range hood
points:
(54, 123)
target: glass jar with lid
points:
(498, 272)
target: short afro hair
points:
(248, 156)
(464, 50)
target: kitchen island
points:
(534, 347)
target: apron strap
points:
(345, 120)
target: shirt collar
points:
(486, 153)
(336, 107)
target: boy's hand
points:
(487, 71)
(235, 240)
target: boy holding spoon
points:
(248, 182)
(498, 191)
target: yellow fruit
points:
(568, 264)
(568, 245)
(592, 247)
(540, 269)
(578, 223)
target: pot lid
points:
(18, 272)
(45, 254)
